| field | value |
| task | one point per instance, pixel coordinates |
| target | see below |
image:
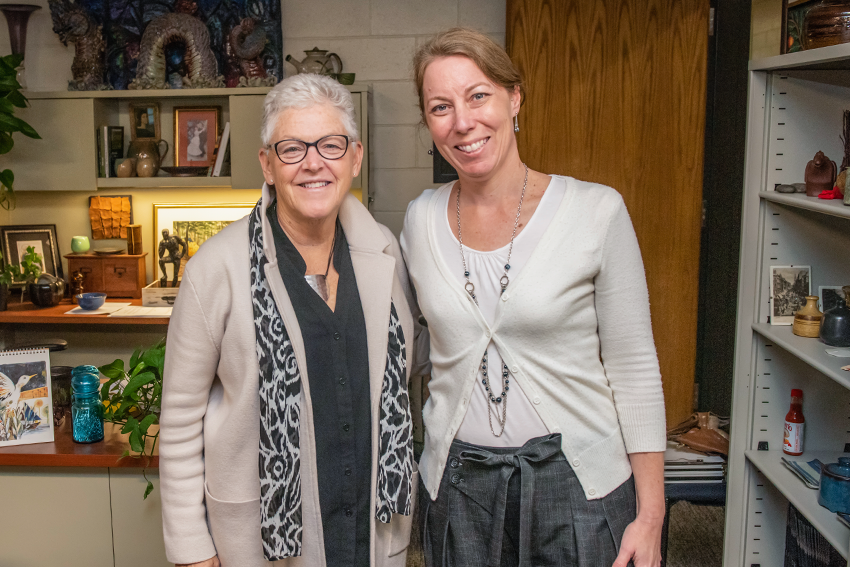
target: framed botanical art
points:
(789, 286)
(42, 237)
(194, 224)
(195, 135)
(144, 121)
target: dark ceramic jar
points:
(835, 326)
(47, 290)
(834, 490)
(827, 23)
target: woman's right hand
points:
(211, 562)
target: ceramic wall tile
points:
(409, 17)
(372, 59)
(395, 103)
(483, 15)
(393, 147)
(393, 189)
(324, 18)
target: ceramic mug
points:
(80, 244)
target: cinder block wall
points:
(765, 28)
(375, 39)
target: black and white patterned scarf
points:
(280, 418)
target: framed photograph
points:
(192, 223)
(789, 286)
(27, 415)
(42, 237)
(829, 296)
(144, 121)
(195, 135)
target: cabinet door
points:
(246, 119)
(136, 521)
(65, 159)
(56, 516)
(121, 277)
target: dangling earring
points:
(516, 122)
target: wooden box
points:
(117, 275)
(155, 296)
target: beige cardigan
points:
(210, 424)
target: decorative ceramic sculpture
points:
(247, 41)
(73, 24)
(820, 175)
(200, 61)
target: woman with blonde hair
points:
(545, 428)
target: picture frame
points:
(144, 121)
(195, 135)
(829, 296)
(789, 286)
(15, 239)
(194, 223)
(28, 417)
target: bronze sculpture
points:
(172, 248)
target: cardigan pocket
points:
(235, 530)
(400, 526)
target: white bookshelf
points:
(796, 105)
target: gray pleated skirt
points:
(523, 507)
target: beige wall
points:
(765, 29)
(375, 39)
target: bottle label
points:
(793, 438)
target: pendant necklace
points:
(319, 282)
(470, 289)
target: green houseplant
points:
(10, 99)
(26, 272)
(133, 397)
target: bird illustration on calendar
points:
(25, 400)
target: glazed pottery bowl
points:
(90, 301)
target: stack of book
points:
(686, 466)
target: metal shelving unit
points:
(796, 104)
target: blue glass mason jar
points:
(86, 407)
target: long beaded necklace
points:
(470, 289)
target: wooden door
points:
(616, 95)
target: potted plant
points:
(11, 98)
(132, 398)
(26, 272)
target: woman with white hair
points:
(285, 427)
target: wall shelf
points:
(161, 182)
(834, 207)
(810, 351)
(824, 58)
(803, 498)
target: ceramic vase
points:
(835, 325)
(80, 244)
(17, 16)
(807, 320)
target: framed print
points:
(195, 135)
(144, 121)
(829, 296)
(789, 286)
(42, 237)
(27, 415)
(194, 224)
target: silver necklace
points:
(470, 289)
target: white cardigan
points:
(573, 327)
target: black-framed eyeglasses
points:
(293, 151)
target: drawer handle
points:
(120, 271)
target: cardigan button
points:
(576, 463)
(514, 369)
(592, 491)
(536, 401)
(504, 297)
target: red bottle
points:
(794, 424)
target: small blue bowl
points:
(90, 301)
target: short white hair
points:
(303, 91)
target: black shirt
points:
(338, 373)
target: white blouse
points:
(485, 271)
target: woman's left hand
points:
(641, 543)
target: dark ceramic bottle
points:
(835, 325)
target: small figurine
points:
(76, 285)
(820, 175)
(172, 248)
